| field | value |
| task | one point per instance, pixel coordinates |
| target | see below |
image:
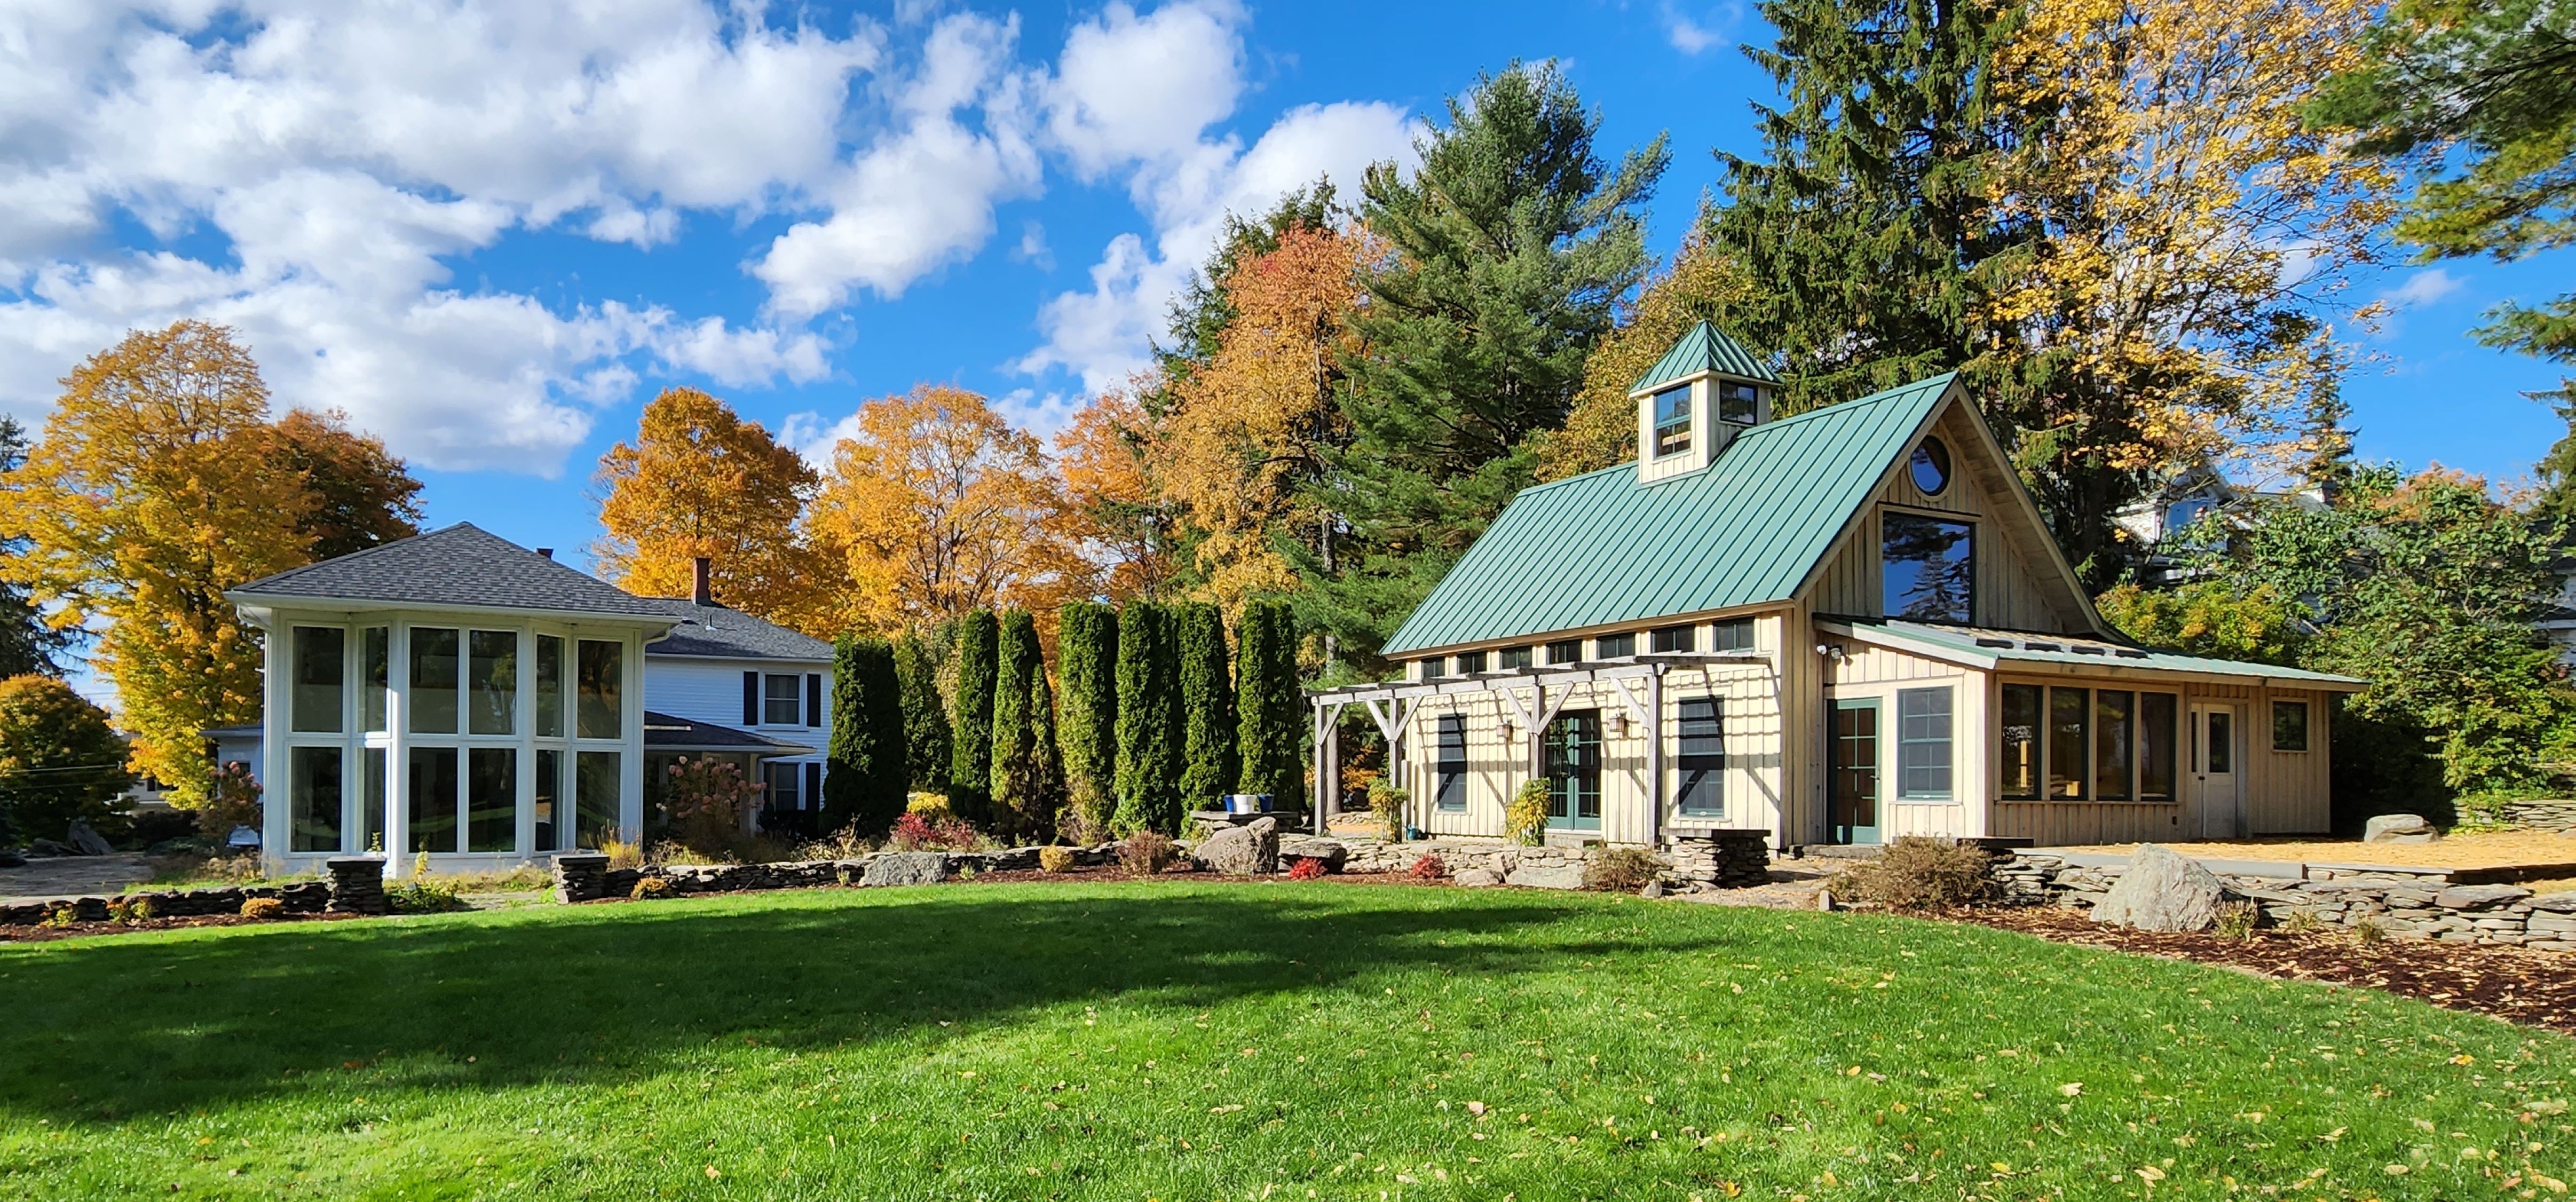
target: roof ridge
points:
(361, 553)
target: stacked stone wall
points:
(300, 897)
(1701, 859)
(2425, 903)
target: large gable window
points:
(1673, 421)
(1930, 568)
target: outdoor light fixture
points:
(1619, 726)
(1508, 734)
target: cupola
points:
(1695, 400)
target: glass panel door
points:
(1855, 771)
(1574, 771)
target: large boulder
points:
(1546, 876)
(907, 868)
(2162, 891)
(1248, 850)
(1333, 852)
(88, 841)
(1487, 878)
(2399, 828)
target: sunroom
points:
(452, 696)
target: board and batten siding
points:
(1755, 783)
(2008, 590)
(2286, 792)
(1879, 673)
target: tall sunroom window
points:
(1673, 421)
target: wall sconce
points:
(1508, 733)
(1619, 725)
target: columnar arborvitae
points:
(1207, 706)
(970, 718)
(864, 781)
(1027, 775)
(1270, 711)
(1086, 652)
(925, 713)
(1149, 721)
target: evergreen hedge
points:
(1270, 711)
(1086, 652)
(866, 774)
(970, 718)
(1027, 774)
(1149, 721)
(925, 713)
(1207, 706)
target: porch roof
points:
(458, 567)
(664, 732)
(1585, 672)
(1980, 647)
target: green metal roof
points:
(1601, 548)
(2010, 646)
(1704, 348)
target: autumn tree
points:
(700, 481)
(362, 496)
(936, 506)
(1115, 507)
(155, 488)
(1245, 440)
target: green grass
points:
(1172, 1040)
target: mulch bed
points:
(41, 933)
(2532, 988)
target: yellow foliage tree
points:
(1114, 506)
(699, 480)
(2197, 232)
(938, 506)
(1250, 424)
(1703, 284)
(157, 486)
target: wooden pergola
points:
(1532, 696)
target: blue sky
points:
(491, 231)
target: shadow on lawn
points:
(138, 1025)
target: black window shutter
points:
(813, 786)
(751, 698)
(814, 699)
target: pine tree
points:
(864, 780)
(1027, 775)
(1086, 650)
(1270, 711)
(1513, 241)
(970, 718)
(27, 645)
(925, 714)
(1207, 705)
(1150, 737)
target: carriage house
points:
(458, 696)
(1838, 627)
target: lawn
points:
(1181, 1040)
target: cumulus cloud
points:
(2422, 288)
(1105, 334)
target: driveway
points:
(52, 877)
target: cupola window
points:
(1930, 467)
(1673, 421)
(1738, 402)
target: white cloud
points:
(1105, 334)
(2422, 288)
(1696, 34)
(1130, 89)
(924, 196)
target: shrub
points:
(1525, 820)
(931, 806)
(424, 895)
(650, 887)
(843, 844)
(1270, 713)
(1920, 873)
(867, 769)
(130, 910)
(2302, 922)
(1151, 729)
(2237, 920)
(1055, 859)
(970, 714)
(1388, 803)
(1210, 760)
(61, 916)
(1027, 780)
(262, 909)
(622, 854)
(2368, 932)
(926, 750)
(913, 832)
(1146, 852)
(1428, 867)
(1086, 649)
(704, 802)
(232, 800)
(1308, 868)
(1620, 869)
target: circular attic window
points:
(1931, 467)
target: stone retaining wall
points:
(301, 897)
(574, 881)
(1705, 859)
(2428, 903)
(2557, 814)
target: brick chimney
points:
(706, 590)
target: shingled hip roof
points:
(1603, 548)
(715, 632)
(460, 566)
